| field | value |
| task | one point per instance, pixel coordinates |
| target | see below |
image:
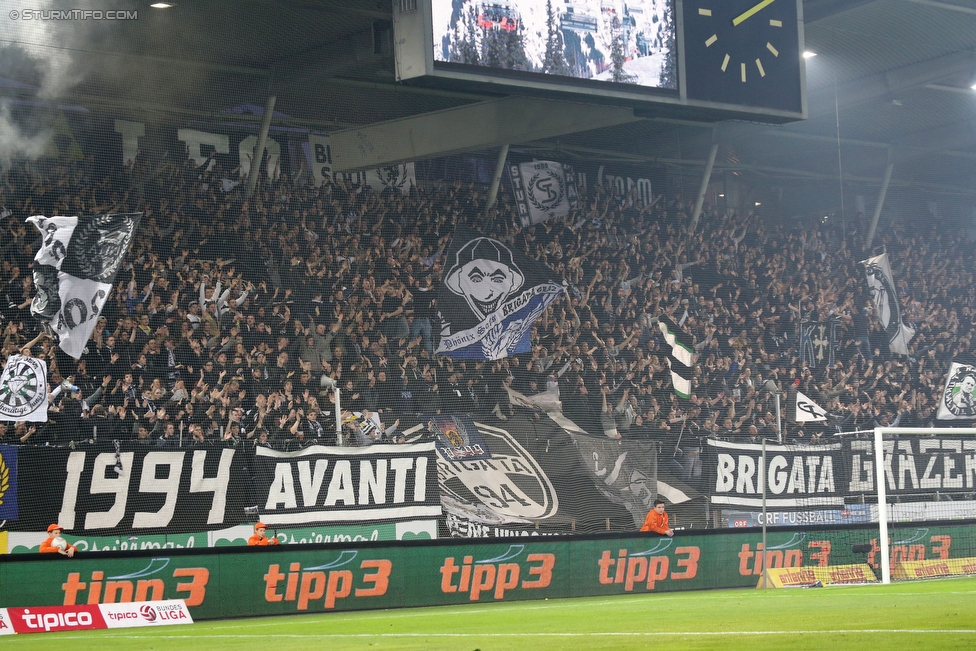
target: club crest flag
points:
(817, 342)
(807, 410)
(23, 389)
(400, 177)
(543, 189)
(74, 270)
(886, 302)
(490, 298)
(959, 395)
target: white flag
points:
(23, 389)
(74, 270)
(807, 410)
(543, 190)
(959, 395)
(886, 301)
(398, 176)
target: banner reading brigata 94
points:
(490, 298)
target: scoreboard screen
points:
(600, 41)
(712, 59)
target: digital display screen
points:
(610, 41)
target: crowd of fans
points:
(233, 320)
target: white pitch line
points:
(493, 607)
(326, 636)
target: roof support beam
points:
(943, 5)
(812, 12)
(890, 81)
(474, 127)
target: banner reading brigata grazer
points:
(490, 298)
(797, 476)
(822, 476)
(323, 484)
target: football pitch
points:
(922, 614)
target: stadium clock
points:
(744, 52)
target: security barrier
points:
(233, 582)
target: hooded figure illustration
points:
(485, 274)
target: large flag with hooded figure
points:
(74, 270)
(682, 356)
(490, 298)
(886, 302)
(959, 394)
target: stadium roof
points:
(891, 84)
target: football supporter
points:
(259, 539)
(657, 520)
(55, 544)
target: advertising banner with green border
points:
(239, 581)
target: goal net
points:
(834, 502)
(927, 477)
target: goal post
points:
(880, 434)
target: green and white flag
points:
(959, 395)
(682, 356)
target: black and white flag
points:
(682, 356)
(817, 344)
(807, 410)
(23, 389)
(543, 189)
(74, 270)
(959, 394)
(886, 302)
(490, 298)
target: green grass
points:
(923, 614)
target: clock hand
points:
(748, 13)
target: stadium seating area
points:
(232, 320)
